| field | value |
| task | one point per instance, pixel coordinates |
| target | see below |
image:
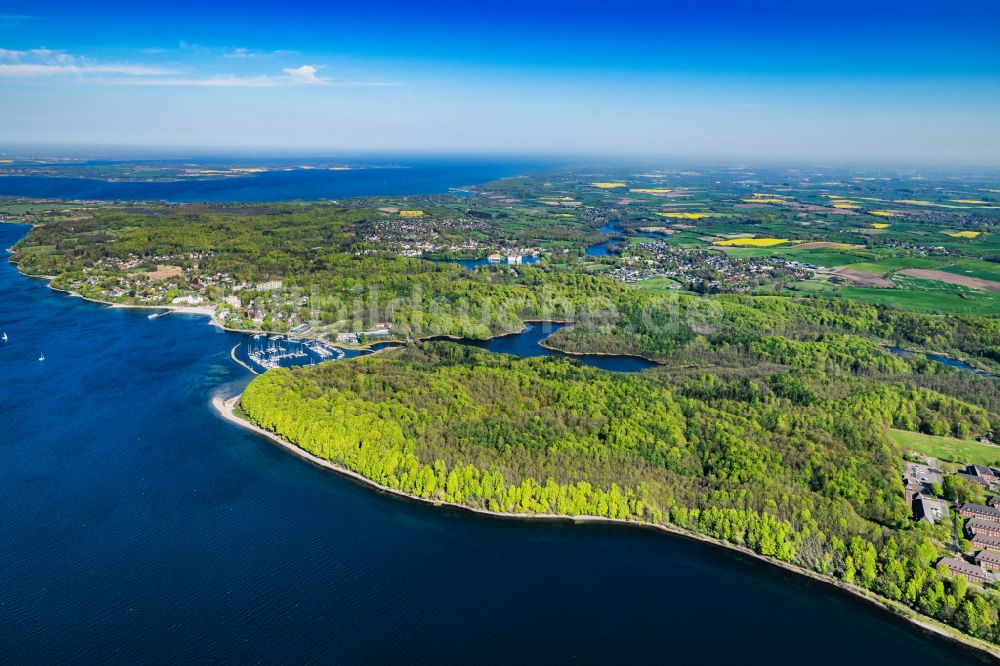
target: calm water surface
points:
(419, 177)
(945, 360)
(137, 527)
(526, 344)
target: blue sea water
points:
(136, 526)
(410, 177)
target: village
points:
(420, 235)
(966, 502)
(704, 271)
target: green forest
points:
(794, 463)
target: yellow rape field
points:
(764, 200)
(845, 205)
(881, 225)
(650, 190)
(964, 234)
(753, 242)
(684, 216)
(609, 186)
(411, 213)
(882, 213)
(918, 202)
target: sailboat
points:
(41, 357)
(5, 336)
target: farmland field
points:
(928, 296)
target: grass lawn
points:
(947, 448)
(660, 285)
(811, 286)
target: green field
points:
(899, 263)
(658, 285)
(947, 448)
(818, 256)
(928, 296)
(686, 240)
(984, 270)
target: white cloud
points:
(303, 74)
(242, 53)
(38, 69)
(42, 55)
(49, 63)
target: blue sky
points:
(884, 83)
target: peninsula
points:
(782, 416)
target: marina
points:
(262, 352)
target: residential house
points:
(972, 478)
(986, 541)
(982, 526)
(957, 567)
(980, 511)
(988, 559)
(983, 472)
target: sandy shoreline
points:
(226, 406)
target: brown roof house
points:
(988, 559)
(958, 567)
(982, 471)
(986, 541)
(980, 511)
(972, 478)
(982, 526)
